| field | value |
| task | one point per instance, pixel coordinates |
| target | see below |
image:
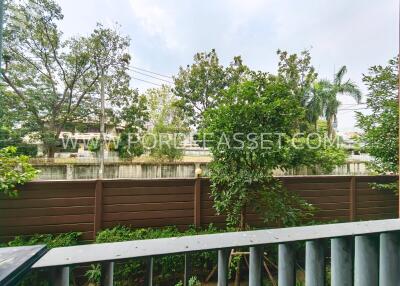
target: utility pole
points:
(102, 127)
(1, 29)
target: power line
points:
(146, 81)
(141, 69)
(170, 82)
(352, 109)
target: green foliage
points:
(324, 101)
(381, 127)
(166, 268)
(167, 125)
(197, 86)
(249, 134)
(134, 118)
(298, 73)
(14, 170)
(11, 137)
(51, 240)
(40, 278)
(193, 281)
(52, 81)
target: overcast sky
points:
(165, 34)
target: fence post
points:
(353, 198)
(98, 207)
(197, 201)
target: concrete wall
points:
(79, 171)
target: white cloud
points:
(156, 21)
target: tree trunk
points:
(330, 126)
(51, 150)
(237, 276)
(243, 222)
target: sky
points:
(165, 34)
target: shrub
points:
(167, 269)
(40, 278)
(14, 170)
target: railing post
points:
(148, 279)
(315, 263)
(389, 259)
(341, 261)
(98, 207)
(286, 265)
(353, 199)
(255, 267)
(188, 269)
(107, 274)
(197, 202)
(366, 261)
(60, 276)
(223, 266)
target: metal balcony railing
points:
(362, 254)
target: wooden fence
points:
(89, 206)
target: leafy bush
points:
(14, 170)
(40, 278)
(166, 269)
(51, 240)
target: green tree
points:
(133, 118)
(329, 92)
(167, 126)
(298, 73)
(55, 81)
(248, 134)
(381, 126)
(197, 85)
(14, 171)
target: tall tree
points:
(245, 156)
(381, 126)
(298, 73)
(56, 81)
(167, 125)
(329, 92)
(197, 85)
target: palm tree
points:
(324, 101)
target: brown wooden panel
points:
(40, 203)
(318, 193)
(371, 204)
(326, 199)
(53, 211)
(152, 222)
(123, 216)
(57, 228)
(377, 210)
(58, 185)
(321, 186)
(377, 216)
(134, 191)
(147, 199)
(148, 207)
(73, 193)
(46, 220)
(147, 183)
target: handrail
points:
(66, 256)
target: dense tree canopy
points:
(55, 81)
(251, 133)
(198, 85)
(381, 126)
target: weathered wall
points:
(119, 170)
